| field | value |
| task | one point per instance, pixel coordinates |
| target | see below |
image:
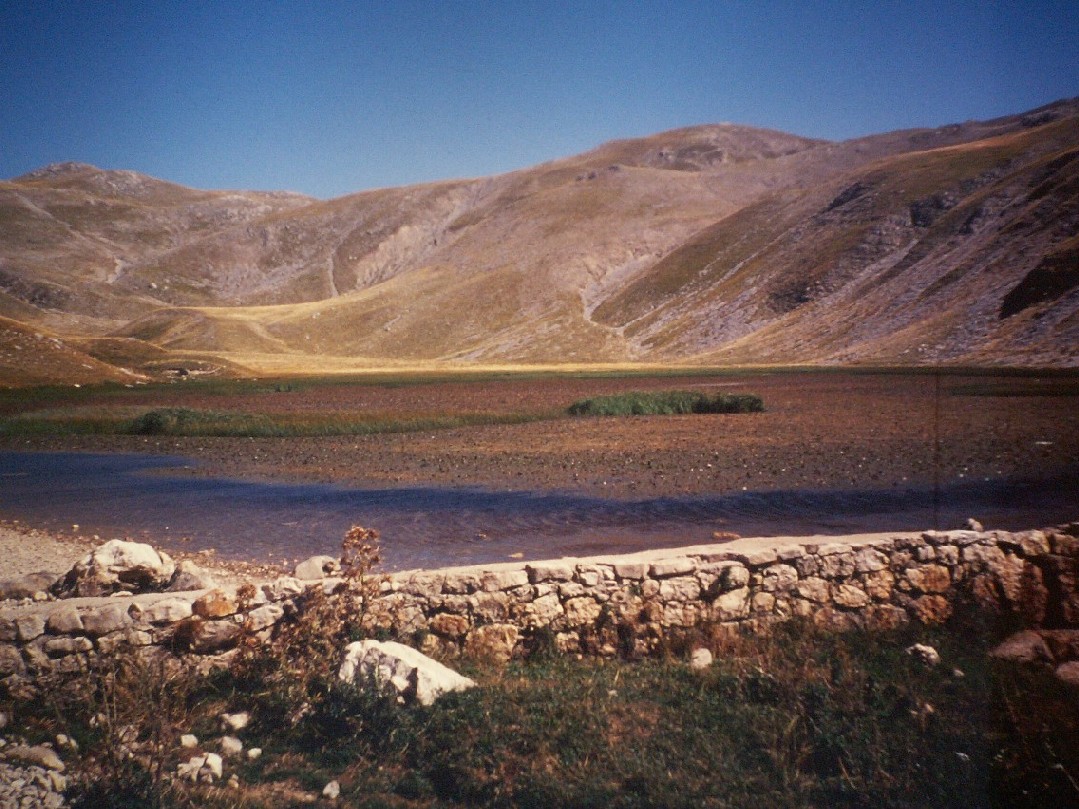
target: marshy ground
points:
(820, 430)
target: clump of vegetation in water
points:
(667, 403)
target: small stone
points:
(234, 781)
(27, 586)
(231, 746)
(332, 791)
(214, 764)
(973, 525)
(235, 721)
(1069, 673)
(926, 654)
(65, 742)
(254, 753)
(57, 783)
(700, 659)
(189, 741)
(36, 756)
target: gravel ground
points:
(25, 550)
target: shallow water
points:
(137, 496)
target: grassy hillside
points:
(716, 243)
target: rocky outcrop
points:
(611, 605)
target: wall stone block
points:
(869, 560)
(779, 578)
(672, 567)
(106, 619)
(681, 588)
(539, 572)
(631, 571)
(64, 621)
(836, 565)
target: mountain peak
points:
(61, 169)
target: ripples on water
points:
(137, 497)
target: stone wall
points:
(607, 605)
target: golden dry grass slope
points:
(711, 244)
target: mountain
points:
(712, 244)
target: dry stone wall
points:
(601, 605)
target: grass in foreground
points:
(666, 403)
(796, 720)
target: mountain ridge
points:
(716, 243)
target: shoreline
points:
(25, 549)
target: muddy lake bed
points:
(834, 453)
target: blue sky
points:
(333, 97)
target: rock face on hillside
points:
(715, 243)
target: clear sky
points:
(333, 97)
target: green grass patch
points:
(183, 421)
(803, 718)
(666, 403)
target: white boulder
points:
(235, 721)
(700, 659)
(119, 566)
(231, 746)
(317, 567)
(413, 675)
(206, 768)
(926, 654)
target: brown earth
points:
(821, 430)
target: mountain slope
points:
(715, 244)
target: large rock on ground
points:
(118, 565)
(413, 675)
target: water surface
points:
(154, 499)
